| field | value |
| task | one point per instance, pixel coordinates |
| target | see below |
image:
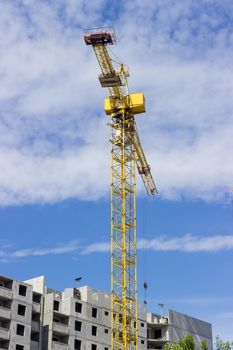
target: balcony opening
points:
(36, 298)
(4, 344)
(36, 317)
(6, 283)
(20, 329)
(5, 324)
(157, 334)
(6, 304)
(62, 320)
(22, 290)
(21, 310)
(94, 312)
(35, 336)
(61, 339)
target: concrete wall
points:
(182, 324)
(20, 320)
(38, 284)
(90, 298)
(46, 328)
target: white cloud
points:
(8, 255)
(57, 176)
(53, 132)
(96, 248)
(187, 243)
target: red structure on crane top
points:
(100, 36)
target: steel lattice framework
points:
(126, 155)
(123, 237)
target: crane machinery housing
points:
(126, 154)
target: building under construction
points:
(35, 317)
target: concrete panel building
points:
(174, 326)
(17, 312)
(34, 317)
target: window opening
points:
(78, 307)
(94, 330)
(20, 329)
(21, 310)
(22, 290)
(94, 312)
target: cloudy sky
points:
(54, 148)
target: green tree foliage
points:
(187, 343)
(223, 345)
(203, 345)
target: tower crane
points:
(126, 155)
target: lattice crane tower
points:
(126, 154)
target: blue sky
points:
(54, 149)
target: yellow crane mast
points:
(126, 154)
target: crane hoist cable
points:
(126, 155)
(231, 191)
(144, 248)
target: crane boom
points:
(126, 154)
(142, 165)
(109, 78)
